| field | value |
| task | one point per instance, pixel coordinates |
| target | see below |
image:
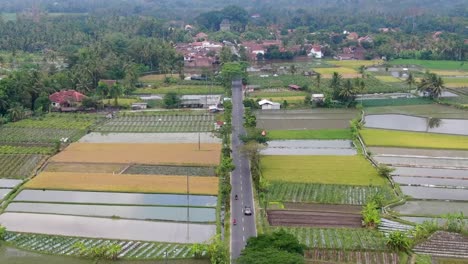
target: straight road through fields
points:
(241, 180)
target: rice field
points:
(183, 89)
(85, 167)
(389, 138)
(296, 147)
(432, 64)
(201, 137)
(389, 79)
(355, 63)
(37, 135)
(59, 245)
(159, 123)
(310, 134)
(171, 170)
(157, 154)
(123, 183)
(426, 110)
(340, 70)
(14, 149)
(338, 238)
(136, 212)
(95, 227)
(113, 198)
(19, 166)
(352, 170)
(325, 193)
(456, 82)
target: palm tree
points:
(335, 84)
(410, 80)
(318, 78)
(348, 92)
(293, 69)
(115, 92)
(431, 84)
(362, 69)
(16, 112)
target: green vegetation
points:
(18, 165)
(73, 246)
(352, 170)
(8, 149)
(339, 238)
(58, 121)
(399, 241)
(371, 215)
(279, 247)
(432, 64)
(392, 138)
(326, 193)
(182, 89)
(310, 134)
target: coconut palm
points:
(293, 69)
(16, 112)
(115, 92)
(432, 85)
(410, 80)
(348, 92)
(318, 78)
(335, 84)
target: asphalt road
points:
(241, 180)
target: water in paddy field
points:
(130, 212)
(429, 172)
(115, 198)
(310, 147)
(435, 193)
(424, 181)
(418, 124)
(432, 208)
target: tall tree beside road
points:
(231, 71)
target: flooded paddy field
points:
(310, 147)
(419, 152)
(4, 193)
(423, 162)
(435, 193)
(9, 183)
(432, 173)
(431, 208)
(420, 220)
(424, 181)
(115, 198)
(96, 137)
(417, 124)
(304, 119)
(107, 228)
(180, 214)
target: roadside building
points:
(269, 105)
(294, 87)
(66, 100)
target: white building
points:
(316, 52)
(269, 105)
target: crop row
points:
(325, 193)
(170, 170)
(18, 165)
(37, 135)
(163, 118)
(59, 245)
(341, 256)
(58, 121)
(338, 238)
(8, 149)
(170, 126)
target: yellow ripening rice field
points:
(161, 154)
(123, 183)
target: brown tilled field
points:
(316, 215)
(324, 256)
(444, 244)
(123, 183)
(161, 154)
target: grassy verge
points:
(310, 134)
(352, 170)
(391, 138)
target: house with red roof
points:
(66, 99)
